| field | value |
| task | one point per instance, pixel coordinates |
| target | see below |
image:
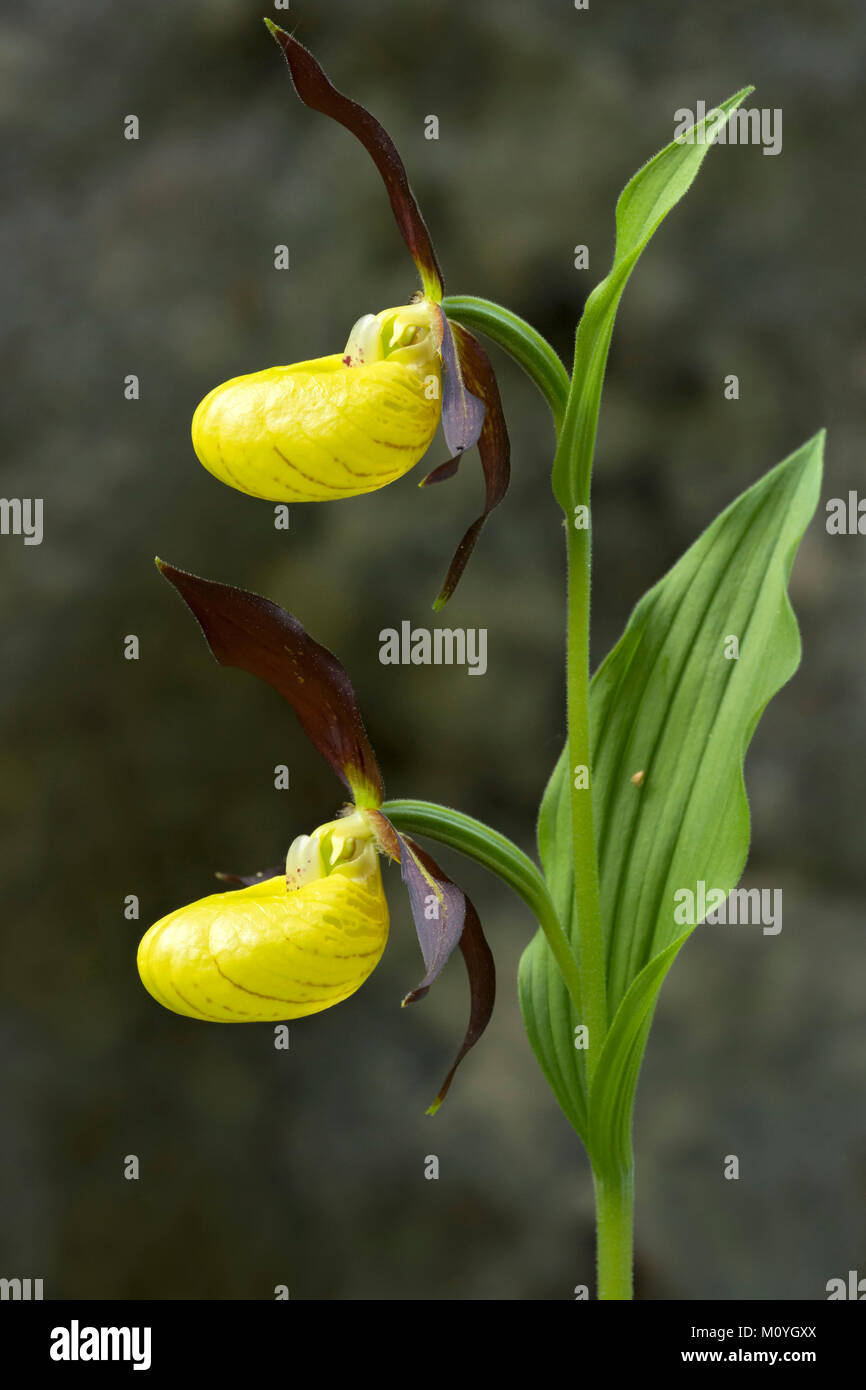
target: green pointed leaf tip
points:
(658, 186)
(667, 701)
(643, 204)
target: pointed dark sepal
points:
(317, 91)
(255, 635)
(477, 377)
(444, 917)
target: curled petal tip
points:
(441, 473)
(414, 996)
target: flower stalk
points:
(575, 414)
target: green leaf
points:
(668, 702)
(549, 1014)
(643, 204)
(613, 1088)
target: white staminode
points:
(344, 846)
(402, 335)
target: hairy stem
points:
(614, 1210)
(575, 405)
(590, 937)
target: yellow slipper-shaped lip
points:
(333, 427)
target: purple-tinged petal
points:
(477, 957)
(444, 917)
(317, 91)
(462, 413)
(438, 908)
(255, 635)
(493, 446)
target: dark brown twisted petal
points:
(478, 959)
(255, 635)
(456, 922)
(317, 91)
(477, 378)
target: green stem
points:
(614, 1196)
(529, 349)
(614, 1214)
(502, 857)
(590, 936)
(576, 433)
(575, 405)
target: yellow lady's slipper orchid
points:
(339, 426)
(286, 945)
(283, 948)
(333, 427)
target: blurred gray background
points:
(156, 257)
